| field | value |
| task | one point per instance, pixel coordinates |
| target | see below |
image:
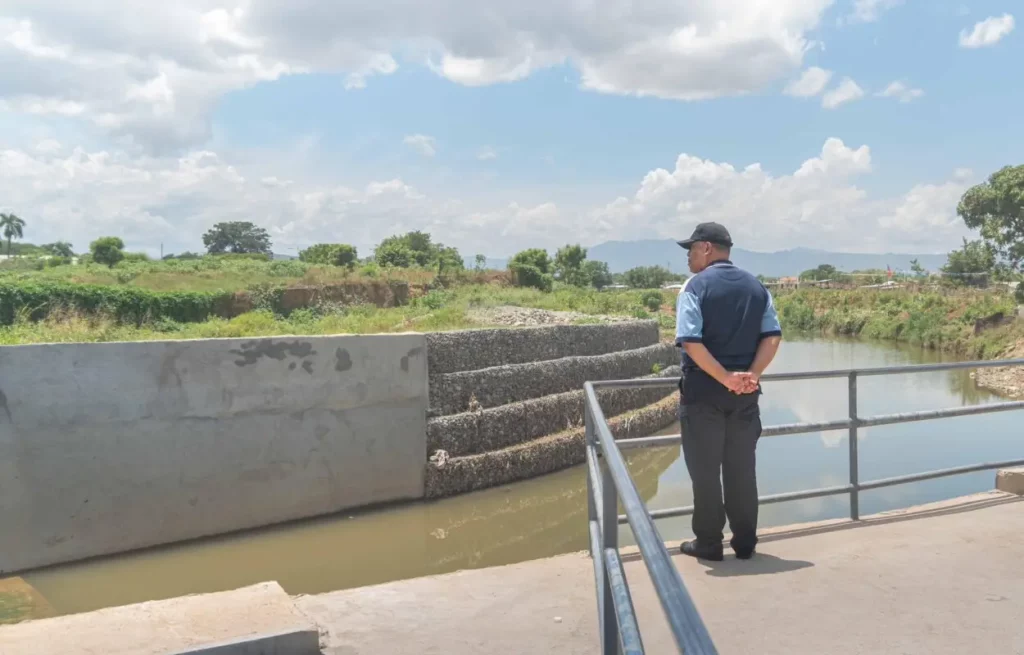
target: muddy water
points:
(547, 516)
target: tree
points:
(14, 228)
(996, 208)
(917, 269)
(448, 259)
(568, 264)
(330, 254)
(417, 249)
(597, 273)
(481, 262)
(59, 249)
(822, 272)
(107, 250)
(236, 236)
(972, 264)
(648, 277)
(531, 268)
(393, 253)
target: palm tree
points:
(13, 229)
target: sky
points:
(847, 125)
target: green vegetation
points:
(417, 249)
(933, 320)
(650, 277)
(237, 237)
(996, 209)
(13, 228)
(438, 309)
(330, 254)
(107, 250)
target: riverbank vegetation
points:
(966, 322)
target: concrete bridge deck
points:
(942, 578)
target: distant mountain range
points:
(624, 255)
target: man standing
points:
(728, 328)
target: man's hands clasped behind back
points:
(741, 382)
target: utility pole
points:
(161, 250)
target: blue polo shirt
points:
(729, 311)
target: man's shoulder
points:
(731, 276)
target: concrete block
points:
(111, 447)
(469, 350)
(1011, 480)
(258, 619)
(294, 642)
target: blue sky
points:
(505, 128)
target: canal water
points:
(547, 516)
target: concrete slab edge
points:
(304, 641)
(1011, 480)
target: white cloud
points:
(847, 91)
(153, 76)
(487, 154)
(812, 82)
(901, 92)
(868, 11)
(421, 143)
(78, 195)
(818, 206)
(987, 32)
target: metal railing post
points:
(590, 439)
(609, 540)
(854, 461)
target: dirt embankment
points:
(1006, 381)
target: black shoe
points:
(744, 553)
(694, 549)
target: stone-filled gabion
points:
(470, 433)
(540, 456)
(455, 393)
(470, 350)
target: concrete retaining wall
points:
(454, 393)
(106, 448)
(470, 350)
(471, 433)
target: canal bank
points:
(544, 516)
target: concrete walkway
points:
(942, 578)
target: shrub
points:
(526, 275)
(652, 300)
(330, 254)
(124, 304)
(1018, 295)
(107, 250)
(434, 300)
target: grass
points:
(934, 320)
(437, 310)
(212, 274)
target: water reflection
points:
(547, 516)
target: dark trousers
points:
(719, 439)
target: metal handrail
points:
(608, 480)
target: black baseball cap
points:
(710, 232)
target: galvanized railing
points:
(608, 481)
